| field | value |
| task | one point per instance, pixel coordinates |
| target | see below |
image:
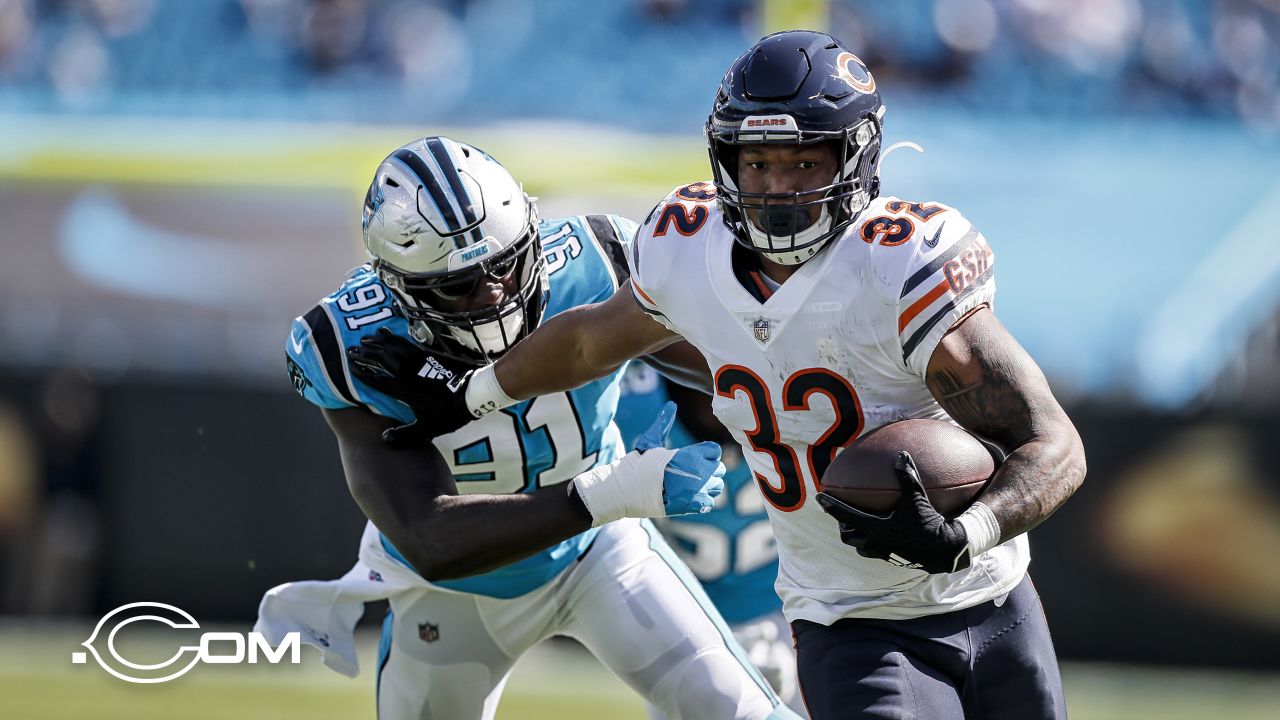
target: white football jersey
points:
(839, 349)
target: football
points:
(954, 466)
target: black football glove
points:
(402, 369)
(913, 535)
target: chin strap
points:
(896, 146)
(793, 257)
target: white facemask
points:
(491, 333)
(760, 239)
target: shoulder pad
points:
(614, 235)
(314, 356)
(686, 212)
(891, 222)
(946, 270)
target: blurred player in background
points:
(825, 310)
(542, 540)
(730, 549)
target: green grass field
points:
(556, 682)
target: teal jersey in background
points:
(731, 549)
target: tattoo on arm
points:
(988, 403)
(987, 383)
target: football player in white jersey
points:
(523, 525)
(825, 310)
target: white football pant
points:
(629, 600)
(771, 649)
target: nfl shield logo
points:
(761, 326)
(428, 632)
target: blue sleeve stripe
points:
(605, 236)
(951, 253)
(918, 336)
(325, 336)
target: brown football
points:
(954, 466)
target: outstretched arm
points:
(985, 380)
(410, 495)
(580, 345)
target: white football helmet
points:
(440, 218)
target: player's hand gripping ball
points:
(890, 509)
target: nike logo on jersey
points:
(297, 343)
(933, 241)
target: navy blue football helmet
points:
(796, 87)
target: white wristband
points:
(631, 486)
(982, 528)
(484, 394)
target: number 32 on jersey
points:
(797, 394)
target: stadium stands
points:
(469, 61)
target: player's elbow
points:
(435, 562)
(427, 548)
(428, 554)
(1072, 459)
(1078, 460)
(436, 570)
(431, 544)
(430, 566)
(410, 532)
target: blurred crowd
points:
(475, 58)
(1215, 57)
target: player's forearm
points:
(410, 495)
(1034, 481)
(464, 535)
(681, 363)
(561, 355)
(991, 386)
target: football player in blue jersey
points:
(525, 524)
(730, 549)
